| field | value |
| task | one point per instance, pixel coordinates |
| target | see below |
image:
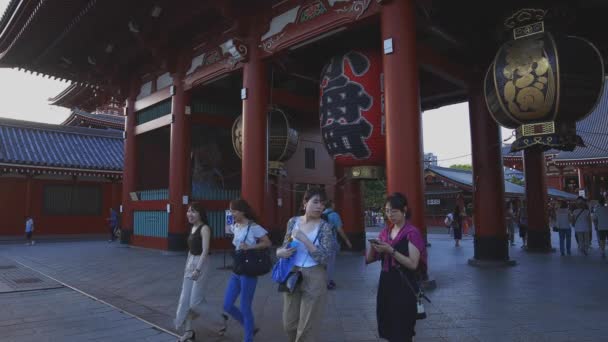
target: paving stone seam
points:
(98, 300)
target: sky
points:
(24, 96)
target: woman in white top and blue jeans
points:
(314, 240)
(247, 235)
(562, 222)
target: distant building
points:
(430, 159)
(66, 178)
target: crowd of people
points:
(309, 248)
(583, 219)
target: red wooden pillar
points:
(179, 174)
(491, 241)
(255, 106)
(562, 181)
(349, 204)
(129, 170)
(402, 107)
(539, 235)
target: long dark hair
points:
(398, 201)
(244, 207)
(196, 206)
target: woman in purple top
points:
(402, 251)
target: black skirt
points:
(396, 303)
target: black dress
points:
(396, 303)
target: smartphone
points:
(374, 241)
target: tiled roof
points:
(24, 143)
(594, 131)
(111, 121)
(465, 178)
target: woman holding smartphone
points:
(402, 251)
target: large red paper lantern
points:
(351, 110)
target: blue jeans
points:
(565, 235)
(245, 286)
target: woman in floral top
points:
(309, 240)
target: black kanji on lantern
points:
(343, 127)
(347, 138)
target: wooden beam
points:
(154, 124)
(152, 99)
(433, 62)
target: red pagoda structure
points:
(343, 72)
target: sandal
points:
(224, 327)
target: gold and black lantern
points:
(542, 84)
(282, 139)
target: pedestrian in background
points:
(333, 218)
(600, 218)
(562, 221)
(113, 223)
(29, 230)
(581, 221)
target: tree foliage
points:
(374, 193)
(517, 181)
(466, 167)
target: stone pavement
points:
(544, 298)
(37, 308)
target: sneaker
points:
(331, 285)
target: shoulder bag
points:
(420, 313)
(294, 278)
(251, 262)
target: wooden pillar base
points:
(125, 236)
(539, 241)
(490, 248)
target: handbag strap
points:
(246, 234)
(313, 242)
(404, 279)
(577, 216)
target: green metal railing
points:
(154, 112)
(153, 195)
(214, 194)
(151, 223)
(217, 223)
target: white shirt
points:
(583, 223)
(240, 233)
(601, 214)
(562, 219)
(29, 226)
(302, 258)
